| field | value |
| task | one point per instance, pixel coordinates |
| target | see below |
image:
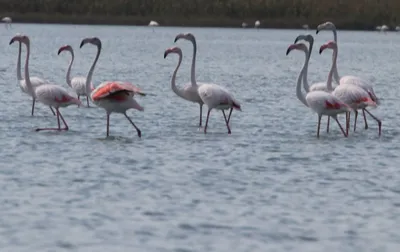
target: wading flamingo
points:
(349, 79)
(78, 84)
(189, 91)
(321, 102)
(112, 96)
(352, 95)
(7, 21)
(35, 81)
(48, 94)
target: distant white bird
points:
(257, 24)
(305, 26)
(244, 25)
(382, 28)
(153, 23)
(7, 21)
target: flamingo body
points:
(324, 103)
(55, 96)
(215, 96)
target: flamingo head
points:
(94, 41)
(65, 48)
(325, 26)
(299, 46)
(172, 50)
(188, 36)
(330, 45)
(309, 38)
(20, 38)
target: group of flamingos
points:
(116, 96)
(350, 95)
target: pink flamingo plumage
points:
(48, 94)
(112, 96)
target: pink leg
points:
(205, 127)
(365, 119)
(319, 124)
(327, 126)
(137, 129)
(341, 128)
(58, 122)
(201, 114)
(108, 124)
(226, 121)
(376, 119)
(230, 113)
(355, 119)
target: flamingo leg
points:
(201, 114)
(227, 123)
(327, 126)
(52, 111)
(319, 125)
(137, 129)
(377, 120)
(108, 124)
(87, 101)
(58, 122)
(365, 119)
(341, 128)
(355, 119)
(33, 106)
(348, 114)
(230, 113)
(79, 98)
(205, 127)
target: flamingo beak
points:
(60, 50)
(290, 48)
(165, 54)
(322, 48)
(12, 41)
(82, 43)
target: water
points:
(270, 186)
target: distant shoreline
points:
(223, 22)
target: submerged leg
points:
(226, 121)
(208, 115)
(33, 106)
(377, 120)
(108, 124)
(319, 124)
(365, 119)
(327, 126)
(137, 129)
(355, 119)
(201, 114)
(87, 101)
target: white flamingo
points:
(212, 95)
(153, 23)
(353, 95)
(48, 94)
(257, 24)
(78, 84)
(35, 81)
(349, 79)
(321, 102)
(189, 91)
(7, 21)
(112, 96)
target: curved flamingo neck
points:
(193, 69)
(27, 78)
(176, 90)
(305, 75)
(68, 76)
(19, 72)
(299, 94)
(335, 73)
(90, 74)
(331, 72)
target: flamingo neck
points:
(193, 69)
(68, 76)
(90, 74)
(305, 75)
(335, 73)
(176, 90)
(27, 78)
(331, 72)
(299, 94)
(19, 72)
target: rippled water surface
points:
(269, 186)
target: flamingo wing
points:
(217, 96)
(354, 80)
(108, 88)
(353, 95)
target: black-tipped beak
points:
(82, 43)
(59, 51)
(176, 39)
(316, 32)
(288, 51)
(321, 50)
(165, 55)
(11, 41)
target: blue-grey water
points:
(269, 186)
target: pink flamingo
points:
(351, 94)
(113, 96)
(36, 81)
(48, 94)
(78, 83)
(212, 95)
(321, 102)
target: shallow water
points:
(269, 186)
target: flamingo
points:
(7, 21)
(35, 81)
(321, 102)
(257, 24)
(189, 91)
(112, 96)
(349, 79)
(351, 94)
(153, 23)
(48, 94)
(78, 84)
(322, 86)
